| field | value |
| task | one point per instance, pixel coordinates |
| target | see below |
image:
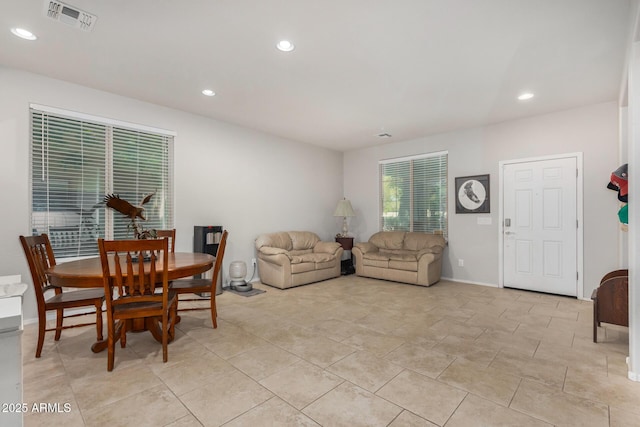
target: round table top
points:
(87, 273)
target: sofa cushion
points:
(398, 259)
(416, 241)
(399, 254)
(407, 265)
(377, 256)
(310, 257)
(302, 267)
(280, 240)
(300, 252)
(303, 239)
(317, 257)
(373, 262)
(388, 239)
(326, 264)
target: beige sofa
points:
(293, 258)
(400, 256)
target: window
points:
(76, 160)
(413, 193)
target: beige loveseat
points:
(400, 256)
(293, 258)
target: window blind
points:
(75, 162)
(141, 166)
(413, 193)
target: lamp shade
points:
(344, 209)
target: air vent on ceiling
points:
(70, 15)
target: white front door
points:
(540, 225)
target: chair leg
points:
(111, 347)
(42, 326)
(59, 318)
(165, 336)
(214, 312)
(115, 332)
(123, 332)
(174, 319)
(99, 321)
(595, 321)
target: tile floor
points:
(350, 352)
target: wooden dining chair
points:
(130, 284)
(171, 234)
(40, 258)
(198, 286)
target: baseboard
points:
(493, 285)
(469, 282)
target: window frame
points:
(411, 159)
(167, 136)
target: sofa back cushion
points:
(303, 240)
(388, 239)
(416, 241)
(280, 240)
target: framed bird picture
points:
(472, 194)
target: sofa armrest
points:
(282, 258)
(436, 250)
(270, 250)
(274, 255)
(366, 247)
(327, 247)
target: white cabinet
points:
(11, 292)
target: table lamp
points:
(344, 210)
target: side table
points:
(347, 264)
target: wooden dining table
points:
(87, 273)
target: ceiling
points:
(408, 68)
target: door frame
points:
(579, 215)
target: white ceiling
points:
(361, 67)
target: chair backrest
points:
(134, 268)
(614, 273)
(613, 298)
(171, 234)
(40, 257)
(218, 264)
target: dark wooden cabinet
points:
(347, 264)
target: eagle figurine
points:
(133, 212)
(127, 209)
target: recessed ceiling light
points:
(285, 46)
(208, 92)
(23, 34)
(525, 96)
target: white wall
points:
(592, 130)
(227, 175)
(251, 183)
